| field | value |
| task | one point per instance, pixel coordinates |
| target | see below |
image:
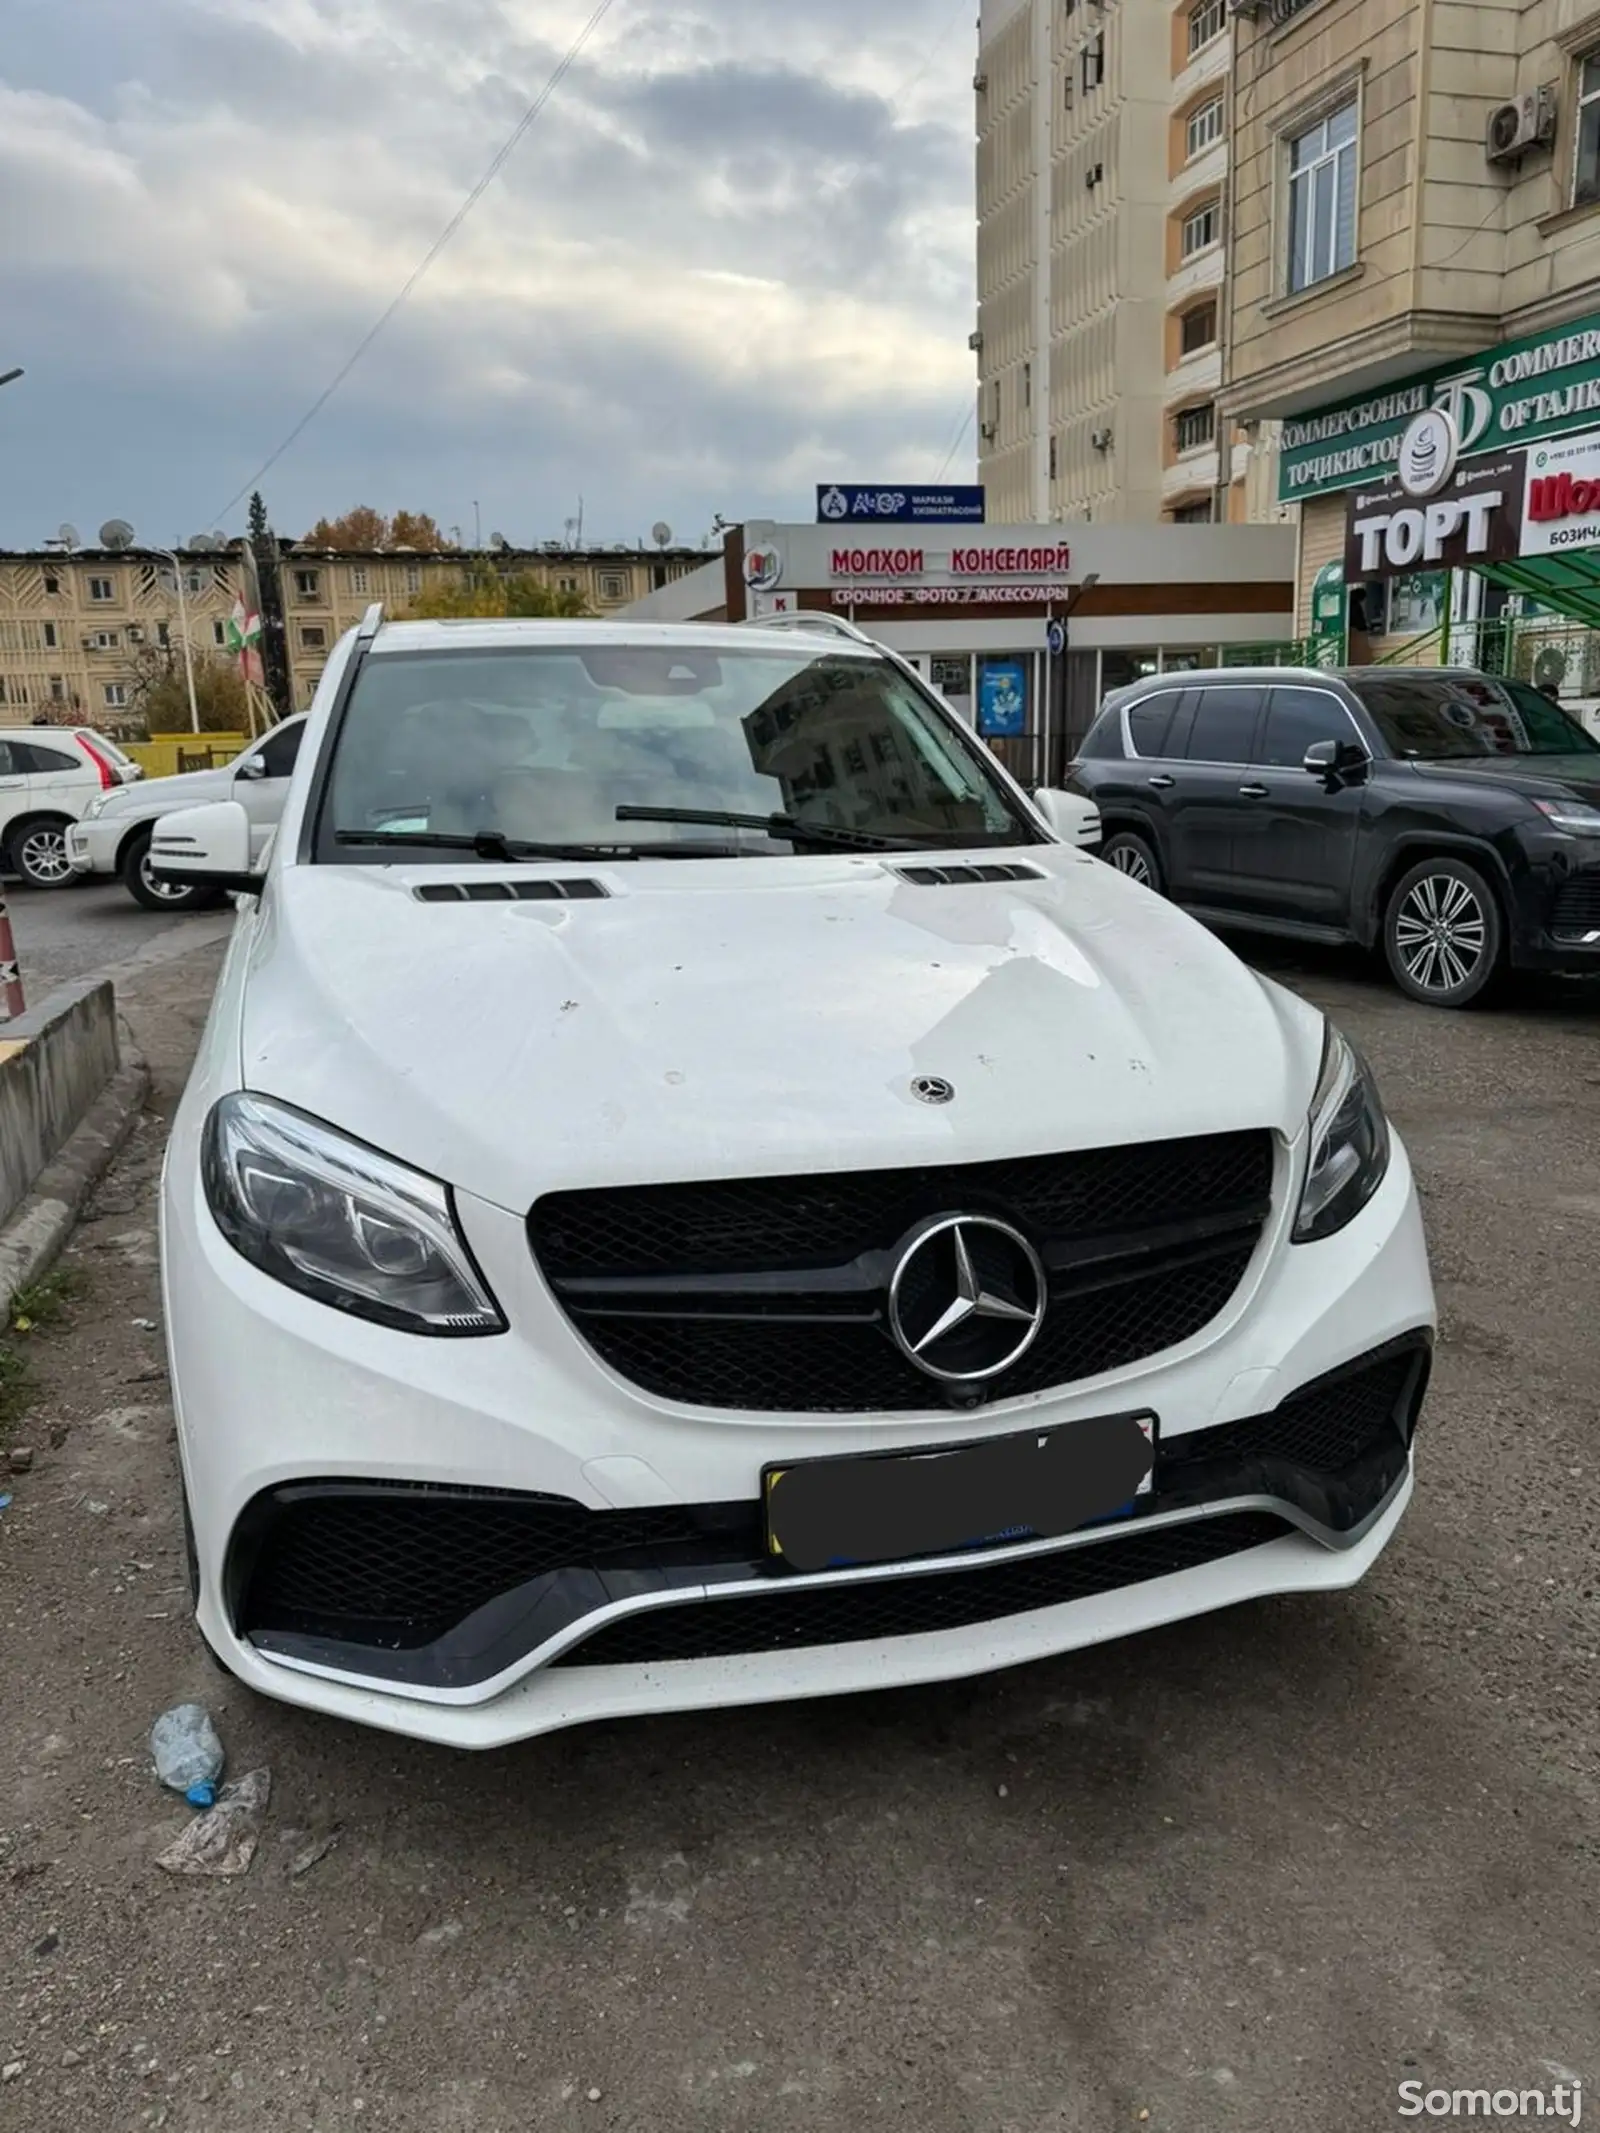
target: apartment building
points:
(73, 624)
(1103, 179)
(1414, 308)
(325, 592)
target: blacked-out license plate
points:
(885, 1507)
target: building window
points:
(164, 635)
(58, 688)
(1206, 22)
(1586, 158)
(50, 636)
(103, 641)
(306, 582)
(115, 694)
(1200, 229)
(1197, 426)
(1200, 514)
(1094, 61)
(1199, 328)
(1053, 459)
(194, 583)
(1322, 198)
(219, 633)
(413, 579)
(1204, 127)
(613, 585)
(102, 589)
(566, 585)
(1027, 385)
(358, 579)
(313, 637)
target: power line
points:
(501, 158)
(966, 424)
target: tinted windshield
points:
(538, 745)
(1439, 717)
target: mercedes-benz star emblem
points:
(967, 1298)
(933, 1089)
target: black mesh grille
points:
(1323, 1429)
(778, 1351)
(786, 1620)
(742, 1224)
(1577, 904)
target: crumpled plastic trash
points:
(187, 1753)
(222, 1841)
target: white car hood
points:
(164, 796)
(740, 1017)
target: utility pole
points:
(477, 525)
(183, 627)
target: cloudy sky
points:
(732, 257)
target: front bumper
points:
(656, 1595)
(92, 846)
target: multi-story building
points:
(76, 625)
(73, 625)
(1103, 149)
(1414, 295)
(326, 591)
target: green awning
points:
(1567, 584)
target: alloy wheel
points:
(41, 857)
(1129, 860)
(170, 892)
(1441, 933)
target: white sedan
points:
(696, 1191)
(113, 836)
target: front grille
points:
(787, 1620)
(770, 1293)
(1576, 910)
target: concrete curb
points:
(32, 1240)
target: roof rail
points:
(370, 622)
(809, 619)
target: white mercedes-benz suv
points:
(696, 1191)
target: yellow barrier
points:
(165, 754)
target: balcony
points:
(1191, 473)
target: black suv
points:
(1452, 817)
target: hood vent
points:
(960, 877)
(494, 891)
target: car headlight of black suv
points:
(1349, 1143)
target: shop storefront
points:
(1022, 628)
(1454, 516)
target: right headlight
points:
(1349, 1143)
(336, 1220)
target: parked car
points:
(1449, 818)
(49, 775)
(113, 836)
(695, 1191)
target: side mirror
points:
(1074, 819)
(1335, 759)
(253, 766)
(205, 848)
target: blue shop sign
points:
(1002, 699)
(888, 504)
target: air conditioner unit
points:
(1101, 440)
(135, 634)
(988, 431)
(975, 342)
(1250, 9)
(1526, 122)
(980, 82)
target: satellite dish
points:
(498, 540)
(116, 533)
(67, 534)
(661, 533)
(217, 540)
(199, 542)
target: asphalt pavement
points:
(96, 929)
(1249, 1873)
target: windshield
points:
(1456, 717)
(563, 746)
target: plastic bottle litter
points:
(187, 1753)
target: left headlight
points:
(1349, 1143)
(97, 807)
(339, 1222)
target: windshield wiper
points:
(786, 827)
(494, 844)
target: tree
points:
(366, 531)
(275, 673)
(481, 591)
(158, 694)
(258, 517)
